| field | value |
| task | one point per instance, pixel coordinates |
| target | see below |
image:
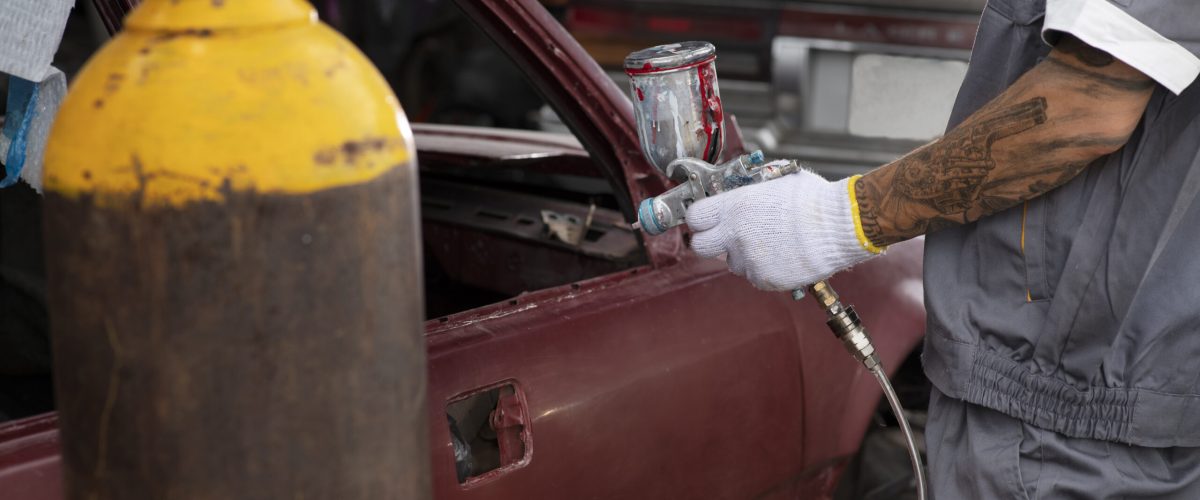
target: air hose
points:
(848, 328)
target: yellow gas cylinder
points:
(234, 265)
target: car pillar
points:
(234, 268)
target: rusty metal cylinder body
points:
(234, 265)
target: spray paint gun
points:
(677, 107)
(699, 179)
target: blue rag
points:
(22, 106)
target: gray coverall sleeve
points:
(1160, 38)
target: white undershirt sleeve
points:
(1106, 27)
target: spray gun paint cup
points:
(676, 102)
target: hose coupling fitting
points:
(846, 325)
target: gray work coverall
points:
(1064, 335)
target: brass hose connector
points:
(845, 324)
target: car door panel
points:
(682, 382)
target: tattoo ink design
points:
(866, 194)
(955, 179)
(948, 177)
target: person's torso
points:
(1089, 293)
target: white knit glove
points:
(783, 234)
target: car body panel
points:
(29, 459)
(628, 395)
(638, 381)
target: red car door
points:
(681, 382)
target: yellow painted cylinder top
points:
(197, 97)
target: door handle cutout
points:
(489, 429)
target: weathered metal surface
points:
(225, 350)
(190, 108)
(234, 265)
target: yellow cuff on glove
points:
(858, 229)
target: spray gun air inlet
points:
(648, 219)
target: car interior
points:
(495, 230)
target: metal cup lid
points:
(669, 57)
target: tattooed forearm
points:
(935, 185)
(1076, 106)
(946, 176)
(1052, 176)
